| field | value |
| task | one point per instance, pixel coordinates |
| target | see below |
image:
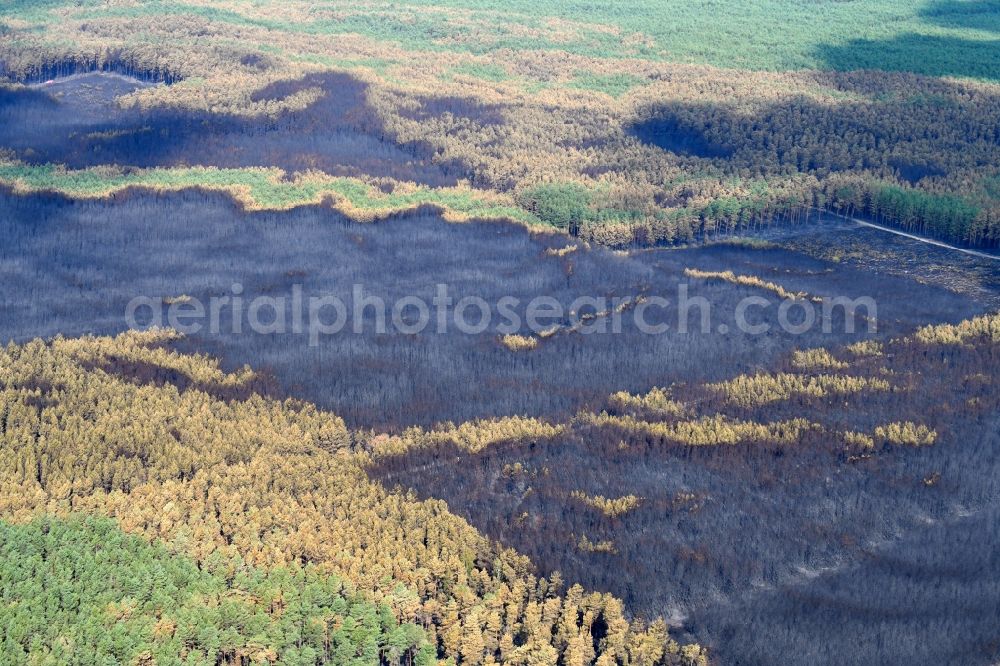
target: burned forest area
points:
(460, 334)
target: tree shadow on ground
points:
(930, 55)
(970, 14)
(76, 122)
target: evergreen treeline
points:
(78, 590)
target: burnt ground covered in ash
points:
(822, 553)
(72, 267)
(881, 252)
